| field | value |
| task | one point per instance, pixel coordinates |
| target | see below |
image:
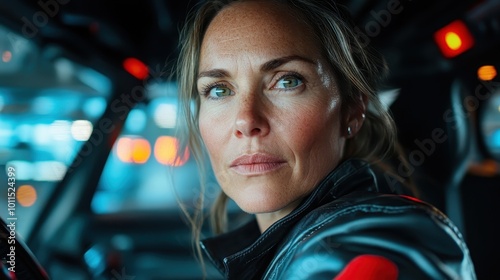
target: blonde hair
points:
(358, 70)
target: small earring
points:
(349, 132)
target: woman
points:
(285, 106)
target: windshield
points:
(43, 122)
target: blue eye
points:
(217, 91)
(288, 82)
(220, 91)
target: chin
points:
(262, 204)
(259, 197)
(258, 207)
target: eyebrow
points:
(275, 63)
(268, 66)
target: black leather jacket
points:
(350, 213)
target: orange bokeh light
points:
(166, 151)
(141, 150)
(487, 72)
(124, 149)
(131, 150)
(26, 195)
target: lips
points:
(256, 164)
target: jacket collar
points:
(244, 253)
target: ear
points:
(356, 116)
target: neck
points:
(265, 220)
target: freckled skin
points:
(300, 126)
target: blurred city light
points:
(124, 149)
(166, 150)
(40, 135)
(6, 134)
(141, 150)
(24, 169)
(133, 150)
(49, 171)
(60, 130)
(165, 115)
(43, 105)
(64, 69)
(26, 195)
(24, 133)
(81, 130)
(136, 121)
(94, 107)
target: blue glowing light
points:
(95, 260)
(495, 138)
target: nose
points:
(251, 119)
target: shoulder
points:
(419, 239)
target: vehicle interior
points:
(88, 104)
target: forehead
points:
(264, 27)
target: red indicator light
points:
(454, 39)
(136, 68)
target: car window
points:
(43, 123)
(141, 173)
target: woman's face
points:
(270, 108)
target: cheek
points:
(214, 132)
(208, 135)
(308, 125)
(315, 141)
